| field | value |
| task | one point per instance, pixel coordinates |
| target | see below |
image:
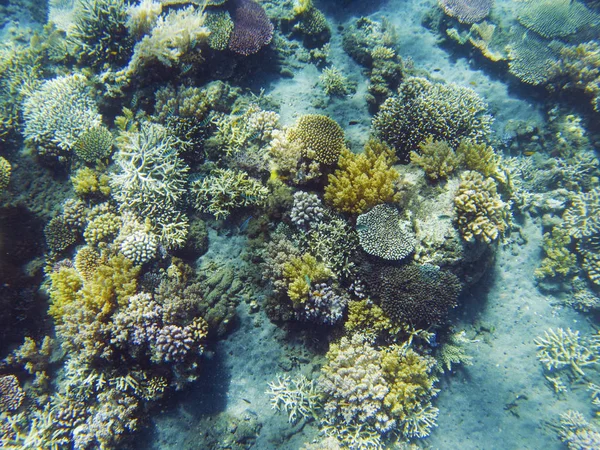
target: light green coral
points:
(220, 25)
(321, 138)
(435, 157)
(224, 190)
(334, 83)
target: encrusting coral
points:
(364, 180)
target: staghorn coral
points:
(298, 397)
(252, 28)
(435, 157)
(321, 138)
(480, 212)
(363, 181)
(555, 18)
(382, 233)
(301, 274)
(5, 170)
(334, 83)
(577, 432)
(94, 144)
(58, 113)
(582, 218)
(447, 112)
(453, 352)
(562, 348)
(467, 11)
(99, 33)
(224, 190)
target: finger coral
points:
(447, 112)
(480, 212)
(363, 181)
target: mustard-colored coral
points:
(435, 157)
(5, 170)
(558, 260)
(321, 138)
(479, 157)
(302, 272)
(65, 290)
(480, 212)
(363, 180)
(87, 181)
(368, 318)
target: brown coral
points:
(321, 137)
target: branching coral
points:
(580, 65)
(558, 260)
(298, 397)
(447, 112)
(224, 190)
(436, 157)
(480, 212)
(363, 181)
(562, 348)
(59, 112)
(301, 275)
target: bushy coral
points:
(382, 233)
(558, 260)
(479, 157)
(580, 66)
(224, 190)
(363, 181)
(142, 17)
(334, 83)
(301, 275)
(480, 212)
(436, 157)
(447, 112)
(89, 182)
(59, 112)
(140, 247)
(99, 33)
(321, 138)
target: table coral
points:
(382, 233)
(363, 180)
(480, 212)
(467, 11)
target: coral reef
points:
(447, 112)
(562, 348)
(364, 180)
(382, 233)
(94, 144)
(555, 18)
(480, 212)
(435, 157)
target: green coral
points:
(87, 181)
(302, 272)
(94, 144)
(446, 112)
(224, 190)
(479, 157)
(334, 83)
(321, 138)
(480, 212)
(435, 157)
(220, 25)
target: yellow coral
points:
(5, 170)
(366, 317)
(363, 180)
(302, 272)
(321, 138)
(559, 260)
(65, 290)
(435, 157)
(481, 158)
(87, 181)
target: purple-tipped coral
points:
(467, 11)
(324, 305)
(307, 210)
(252, 28)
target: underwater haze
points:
(300, 224)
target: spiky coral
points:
(481, 213)
(562, 348)
(363, 180)
(224, 190)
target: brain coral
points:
(447, 112)
(382, 233)
(252, 28)
(322, 139)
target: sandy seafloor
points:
(501, 401)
